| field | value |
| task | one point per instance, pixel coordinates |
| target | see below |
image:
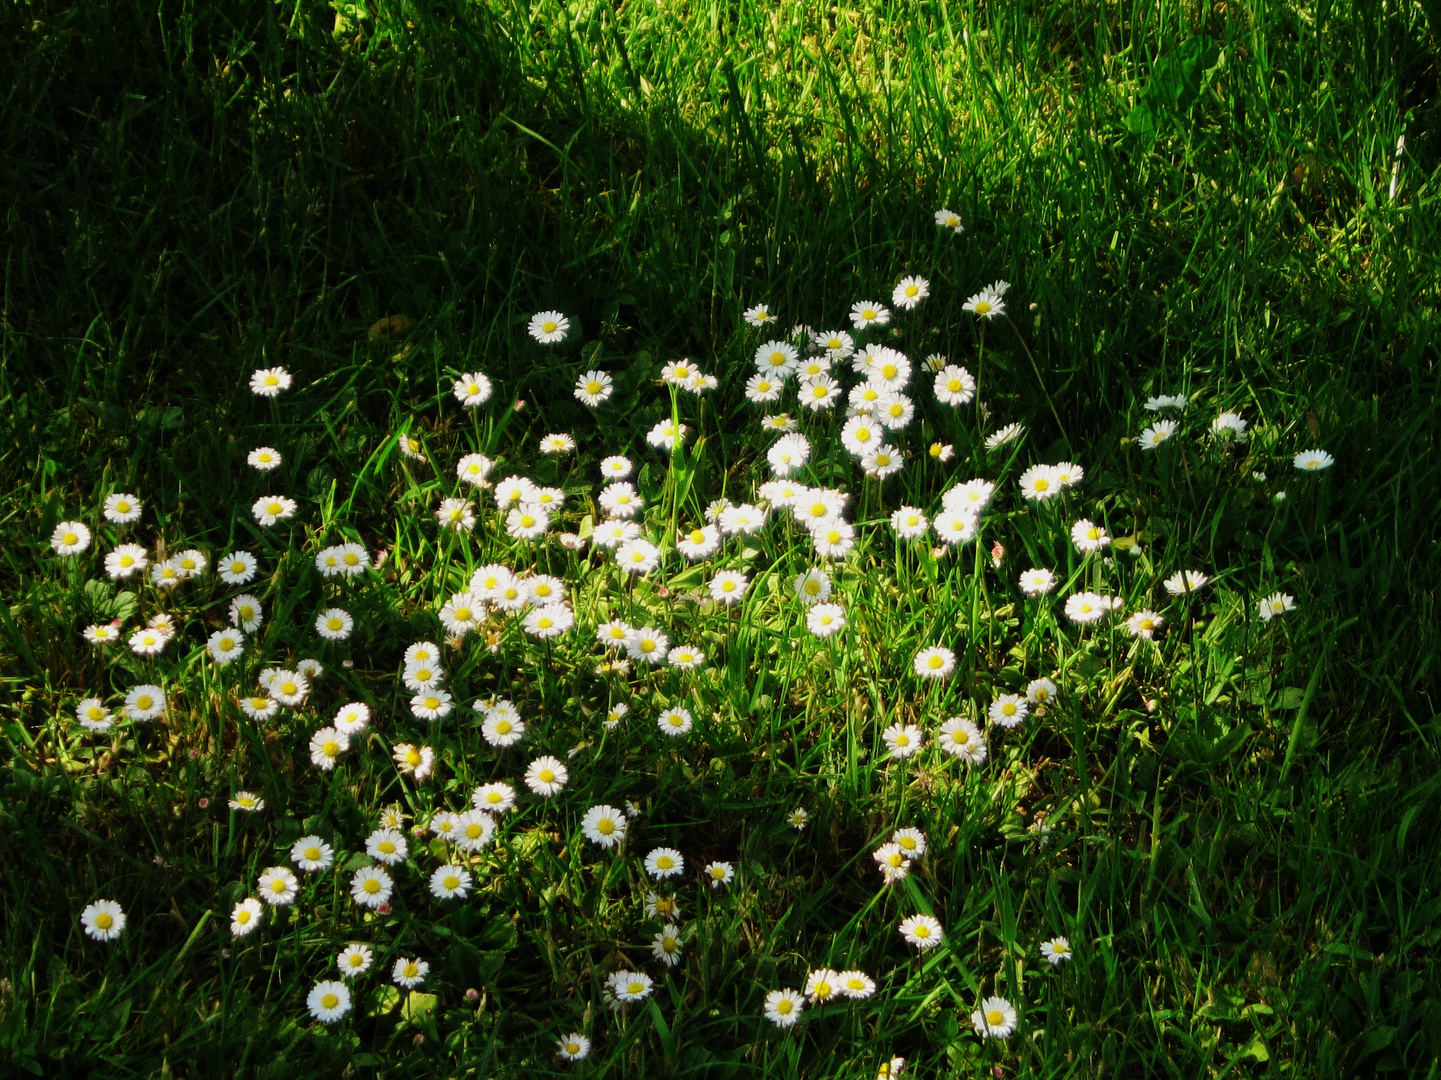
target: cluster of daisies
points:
(853, 371)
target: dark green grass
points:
(1191, 197)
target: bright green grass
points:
(1249, 873)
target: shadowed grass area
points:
(1203, 200)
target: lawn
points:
(551, 507)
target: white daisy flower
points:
(473, 390)
(922, 931)
(909, 292)
(269, 382)
(961, 738)
(548, 327)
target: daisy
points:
(911, 841)
(865, 398)
(888, 369)
(269, 382)
(822, 984)
(423, 676)
(431, 705)
(675, 722)
(1040, 691)
(312, 854)
(1008, 710)
(192, 563)
(549, 620)
(503, 726)
(922, 931)
(630, 986)
(70, 538)
(1229, 425)
(647, 645)
(613, 634)
(1144, 624)
(334, 624)
(1158, 433)
(678, 373)
(92, 715)
(355, 960)
(788, 454)
(449, 882)
(1040, 482)
(818, 505)
(718, 874)
(514, 490)
(272, 508)
(860, 434)
(245, 917)
(1089, 537)
(246, 613)
(165, 575)
(1185, 581)
(149, 641)
(457, 514)
(237, 568)
(548, 327)
(823, 620)
(758, 315)
(637, 556)
(1009, 433)
(103, 920)
(226, 645)
(856, 985)
(288, 687)
(387, 846)
(777, 359)
(892, 861)
(614, 534)
(1037, 582)
(1313, 460)
(664, 862)
(125, 560)
(909, 523)
(661, 907)
(994, 1019)
(618, 712)
(699, 543)
(819, 392)
(666, 434)
(527, 522)
(948, 219)
(472, 390)
(667, 945)
(956, 527)
(909, 292)
(557, 443)
(954, 385)
(881, 462)
(616, 467)
(573, 1047)
(1056, 951)
(259, 706)
(833, 539)
(781, 422)
(326, 746)
(763, 387)
(328, 1001)
(122, 509)
(445, 825)
(812, 587)
(473, 469)
(985, 304)
(798, 818)
(903, 740)
(409, 973)
(278, 886)
(144, 702)
(247, 801)
(102, 633)
(416, 761)
(370, 886)
(461, 614)
(410, 446)
(868, 313)
(741, 520)
(685, 658)
(1087, 607)
(545, 776)
(1277, 603)
(728, 587)
(963, 739)
(493, 798)
(934, 662)
(1167, 401)
(263, 458)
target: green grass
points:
(1187, 199)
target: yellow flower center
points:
(331, 748)
(548, 326)
(127, 560)
(451, 882)
(104, 921)
(502, 727)
(412, 757)
(144, 701)
(473, 831)
(784, 1006)
(272, 380)
(70, 538)
(995, 1018)
(665, 862)
(593, 387)
(547, 776)
(982, 307)
(371, 886)
(333, 623)
(312, 854)
(605, 826)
